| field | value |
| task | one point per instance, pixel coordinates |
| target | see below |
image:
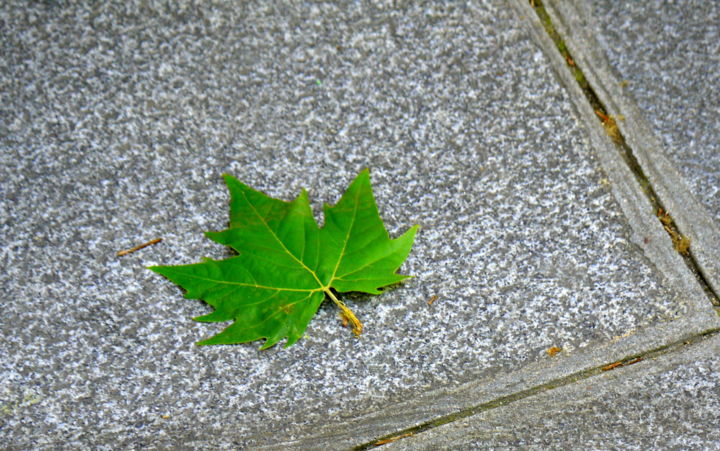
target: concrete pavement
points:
(538, 228)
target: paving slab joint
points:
(573, 20)
(681, 242)
(556, 383)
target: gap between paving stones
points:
(474, 397)
(610, 123)
(630, 188)
(572, 21)
(639, 201)
(623, 409)
(573, 378)
(444, 405)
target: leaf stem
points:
(357, 326)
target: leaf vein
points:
(272, 232)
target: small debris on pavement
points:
(138, 247)
(612, 366)
(385, 441)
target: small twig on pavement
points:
(138, 247)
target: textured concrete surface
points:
(672, 185)
(669, 58)
(667, 402)
(117, 121)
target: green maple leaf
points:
(287, 265)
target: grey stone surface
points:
(577, 23)
(668, 402)
(117, 121)
(669, 55)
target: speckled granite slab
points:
(117, 122)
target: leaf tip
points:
(229, 178)
(157, 269)
(363, 176)
(269, 343)
(304, 194)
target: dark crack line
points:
(626, 152)
(560, 382)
